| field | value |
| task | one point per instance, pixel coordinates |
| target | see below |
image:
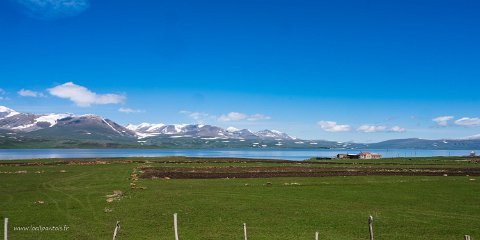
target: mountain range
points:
(64, 130)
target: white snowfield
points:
(232, 129)
(52, 118)
(10, 112)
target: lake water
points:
(287, 154)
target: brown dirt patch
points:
(269, 172)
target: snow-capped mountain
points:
(273, 134)
(27, 122)
(149, 129)
(204, 131)
(243, 133)
(146, 129)
(91, 124)
(7, 112)
(68, 123)
(25, 130)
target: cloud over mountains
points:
(464, 121)
(29, 93)
(331, 126)
(442, 120)
(236, 116)
(83, 97)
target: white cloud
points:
(469, 122)
(476, 137)
(331, 126)
(29, 93)
(83, 97)
(51, 9)
(236, 116)
(199, 117)
(232, 116)
(367, 128)
(397, 129)
(442, 120)
(257, 117)
(130, 110)
(371, 128)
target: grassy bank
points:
(74, 193)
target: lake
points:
(287, 154)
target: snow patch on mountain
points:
(6, 112)
(144, 130)
(273, 134)
(207, 132)
(52, 119)
(111, 126)
(232, 129)
(179, 127)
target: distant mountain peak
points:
(6, 109)
(69, 130)
(273, 134)
(473, 137)
(232, 129)
(144, 130)
(145, 127)
(6, 112)
(67, 122)
(27, 122)
(53, 118)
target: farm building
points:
(367, 155)
(362, 155)
(348, 156)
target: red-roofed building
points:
(367, 155)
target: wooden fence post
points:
(316, 235)
(244, 231)
(370, 226)
(117, 226)
(175, 226)
(5, 229)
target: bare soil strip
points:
(270, 172)
(200, 160)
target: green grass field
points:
(64, 193)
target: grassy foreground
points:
(73, 194)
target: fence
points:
(175, 229)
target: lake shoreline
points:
(286, 154)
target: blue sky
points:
(360, 71)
